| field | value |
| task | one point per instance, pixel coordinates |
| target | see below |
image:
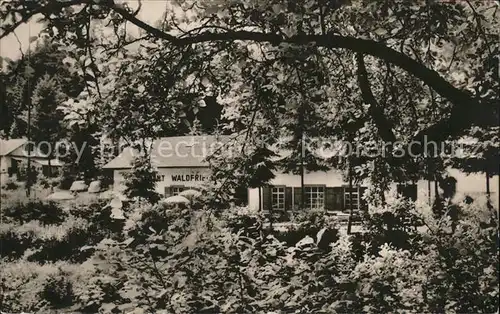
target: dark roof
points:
(173, 152)
(7, 146)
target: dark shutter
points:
(399, 189)
(288, 198)
(338, 198)
(266, 198)
(411, 191)
(363, 205)
(168, 191)
(297, 196)
(408, 191)
(329, 199)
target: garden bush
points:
(48, 182)
(15, 243)
(9, 184)
(453, 261)
(58, 291)
(243, 269)
(43, 243)
(185, 261)
(44, 212)
(30, 287)
(310, 223)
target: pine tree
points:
(141, 180)
(47, 121)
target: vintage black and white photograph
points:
(249, 156)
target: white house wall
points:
(473, 185)
(187, 177)
(5, 164)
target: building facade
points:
(181, 164)
(14, 153)
(328, 191)
(179, 161)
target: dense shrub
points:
(185, 261)
(44, 212)
(242, 268)
(65, 181)
(47, 182)
(310, 223)
(67, 248)
(453, 261)
(15, 243)
(24, 284)
(9, 185)
(58, 291)
(43, 242)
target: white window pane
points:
(278, 198)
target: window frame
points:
(272, 196)
(354, 193)
(307, 204)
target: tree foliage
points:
(47, 121)
(359, 70)
(183, 261)
(44, 63)
(141, 180)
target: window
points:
(315, 197)
(177, 189)
(278, 198)
(347, 199)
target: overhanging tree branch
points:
(379, 50)
(330, 41)
(375, 111)
(34, 9)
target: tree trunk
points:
(488, 183)
(429, 192)
(436, 189)
(302, 190)
(271, 212)
(488, 193)
(49, 170)
(260, 199)
(28, 131)
(349, 222)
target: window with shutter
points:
(351, 198)
(315, 197)
(278, 197)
